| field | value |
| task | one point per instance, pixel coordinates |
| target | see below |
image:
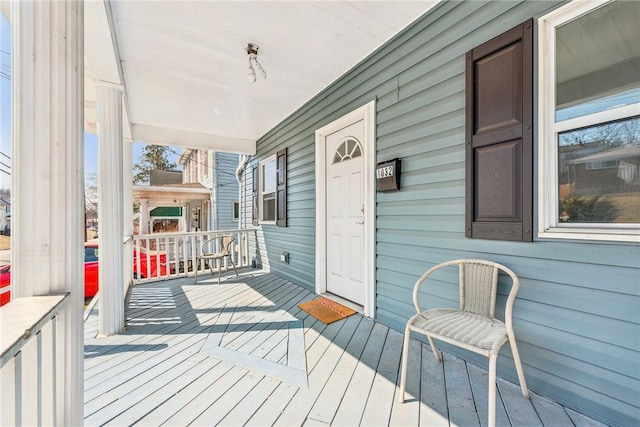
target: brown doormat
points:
(325, 310)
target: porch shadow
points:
(91, 351)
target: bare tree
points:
(152, 157)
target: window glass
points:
(349, 149)
(599, 173)
(597, 59)
(236, 210)
(268, 186)
(269, 207)
(269, 176)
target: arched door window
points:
(349, 149)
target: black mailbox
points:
(388, 175)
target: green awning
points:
(166, 211)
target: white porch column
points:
(128, 214)
(183, 219)
(110, 209)
(48, 184)
(144, 216)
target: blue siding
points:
(226, 190)
(577, 314)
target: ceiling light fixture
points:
(252, 51)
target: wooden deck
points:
(243, 353)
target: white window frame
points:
(548, 221)
(260, 193)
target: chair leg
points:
(195, 281)
(434, 349)
(234, 265)
(405, 360)
(492, 389)
(516, 361)
(219, 269)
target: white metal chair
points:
(224, 250)
(472, 326)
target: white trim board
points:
(367, 114)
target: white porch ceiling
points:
(184, 67)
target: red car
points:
(91, 270)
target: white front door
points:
(345, 212)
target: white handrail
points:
(23, 318)
(33, 350)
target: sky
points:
(5, 102)
(90, 140)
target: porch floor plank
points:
(209, 354)
(462, 410)
(129, 388)
(296, 412)
(519, 409)
(162, 413)
(328, 401)
(147, 397)
(433, 402)
(378, 408)
(408, 413)
(239, 415)
(550, 413)
(479, 379)
(351, 408)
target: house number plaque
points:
(388, 175)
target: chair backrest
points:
(478, 281)
(224, 245)
(478, 287)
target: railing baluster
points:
(138, 254)
(10, 391)
(60, 356)
(48, 363)
(194, 246)
(18, 380)
(30, 378)
(157, 257)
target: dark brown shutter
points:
(281, 197)
(499, 149)
(255, 198)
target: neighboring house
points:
(216, 171)
(610, 170)
(165, 219)
(464, 98)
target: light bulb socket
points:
(252, 49)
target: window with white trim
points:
(589, 115)
(268, 187)
(269, 190)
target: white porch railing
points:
(171, 255)
(32, 361)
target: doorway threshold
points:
(352, 305)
